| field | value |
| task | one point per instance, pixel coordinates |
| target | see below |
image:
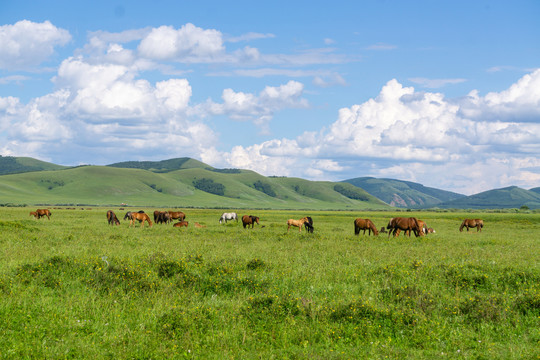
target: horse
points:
(430, 231)
(297, 223)
(383, 230)
(365, 224)
(140, 217)
(177, 215)
(181, 224)
(197, 225)
(112, 219)
(405, 224)
(162, 217)
(128, 214)
(309, 224)
(249, 220)
(39, 213)
(472, 223)
(228, 216)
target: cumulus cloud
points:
(189, 43)
(419, 136)
(26, 44)
(258, 108)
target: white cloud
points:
(257, 108)
(418, 136)
(189, 43)
(26, 44)
(435, 83)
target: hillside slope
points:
(404, 194)
(191, 187)
(509, 197)
(16, 165)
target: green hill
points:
(15, 165)
(404, 194)
(163, 165)
(509, 197)
(187, 187)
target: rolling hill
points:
(509, 197)
(187, 187)
(404, 194)
(14, 165)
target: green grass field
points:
(74, 287)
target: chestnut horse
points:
(39, 213)
(112, 219)
(365, 224)
(297, 223)
(181, 224)
(472, 223)
(423, 228)
(140, 217)
(177, 215)
(406, 224)
(249, 220)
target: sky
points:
(444, 93)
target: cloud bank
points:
(104, 108)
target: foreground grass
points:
(73, 287)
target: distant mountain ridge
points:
(190, 182)
(404, 194)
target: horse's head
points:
(255, 219)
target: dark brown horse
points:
(365, 224)
(140, 217)
(112, 219)
(39, 213)
(249, 220)
(177, 215)
(472, 223)
(181, 224)
(397, 224)
(162, 217)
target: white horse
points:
(228, 216)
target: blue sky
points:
(445, 93)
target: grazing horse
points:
(162, 217)
(129, 213)
(228, 216)
(249, 220)
(297, 223)
(383, 230)
(181, 224)
(39, 213)
(112, 219)
(197, 225)
(472, 223)
(177, 215)
(430, 231)
(406, 224)
(309, 224)
(365, 224)
(140, 217)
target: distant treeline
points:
(209, 186)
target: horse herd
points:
(395, 225)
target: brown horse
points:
(177, 215)
(395, 225)
(472, 223)
(112, 219)
(197, 225)
(162, 217)
(297, 223)
(140, 217)
(365, 224)
(249, 220)
(181, 224)
(39, 213)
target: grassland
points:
(74, 287)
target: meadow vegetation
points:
(75, 287)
